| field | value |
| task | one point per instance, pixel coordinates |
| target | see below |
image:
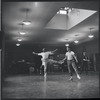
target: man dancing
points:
(44, 59)
(70, 56)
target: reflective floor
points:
(56, 85)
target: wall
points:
(91, 47)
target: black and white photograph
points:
(49, 49)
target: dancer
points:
(44, 59)
(70, 56)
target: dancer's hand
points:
(33, 52)
(56, 49)
(60, 62)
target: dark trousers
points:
(85, 67)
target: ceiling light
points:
(66, 8)
(63, 12)
(19, 39)
(67, 45)
(76, 41)
(22, 33)
(91, 36)
(17, 44)
(26, 22)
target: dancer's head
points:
(84, 53)
(68, 48)
(43, 50)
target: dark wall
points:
(25, 52)
(91, 47)
(16, 54)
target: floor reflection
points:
(53, 86)
(44, 87)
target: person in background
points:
(71, 58)
(45, 54)
(85, 63)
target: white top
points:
(70, 55)
(45, 55)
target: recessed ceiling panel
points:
(65, 21)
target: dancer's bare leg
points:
(76, 71)
(45, 69)
(41, 69)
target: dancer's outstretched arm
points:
(35, 53)
(53, 61)
(62, 61)
(54, 51)
(75, 58)
(64, 58)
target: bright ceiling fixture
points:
(22, 32)
(19, 39)
(64, 10)
(67, 44)
(17, 44)
(91, 36)
(26, 21)
(76, 41)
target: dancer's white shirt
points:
(70, 55)
(45, 56)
